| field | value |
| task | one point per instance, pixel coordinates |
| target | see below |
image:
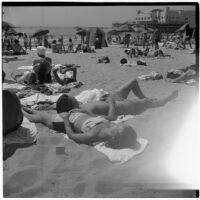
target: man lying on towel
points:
(92, 123)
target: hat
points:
(41, 50)
(12, 114)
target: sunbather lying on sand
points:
(92, 118)
(182, 75)
(123, 105)
(87, 128)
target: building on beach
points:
(168, 20)
(166, 16)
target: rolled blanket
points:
(26, 133)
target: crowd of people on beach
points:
(91, 122)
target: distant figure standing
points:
(54, 47)
(60, 45)
(25, 41)
(29, 43)
(82, 39)
(70, 45)
(187, 36)
(156, 37)
(46, 43)
(145, 40)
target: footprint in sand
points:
(22, 179)
(79, 189)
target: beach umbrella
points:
(11, 31)
(7, 25)
(182, 28)
(78, 28)
(40, 32)
(81, 32)
(125, 28)
(113, 32)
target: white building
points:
(166, 16)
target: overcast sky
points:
(76, 15)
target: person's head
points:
(156, 26)
(120, 136)
(70, 39)
(66, 103)
(41, 51)
(12, 114)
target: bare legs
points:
(42, 117)
(139, 106)
(162, 102)
(133, 86)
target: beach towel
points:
(26, 133)
(152, 76)
(90, 95)
(13, 85)
(37, 98)
(26, 67)
(121, 156)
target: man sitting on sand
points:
(42, 66)
(94, 114)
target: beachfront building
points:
(166, 16)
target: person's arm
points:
(57, 77)
(112, 110)
(82, 138)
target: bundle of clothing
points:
(104, 59)
(152, 76)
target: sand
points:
(45, 170)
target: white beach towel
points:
(38, 97)
(26, 67)
(121, 156)
(26, 133)
(13, 85)
(90, 95)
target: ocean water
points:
(54, 31)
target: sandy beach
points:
(80, 170)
